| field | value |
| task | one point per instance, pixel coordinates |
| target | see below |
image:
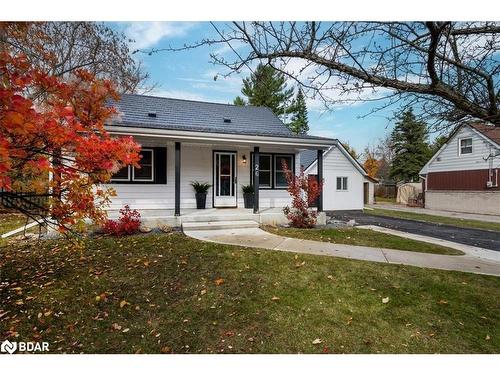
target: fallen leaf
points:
(116, 326)
(124, 303)
(443, 302)
(317, 341)
(385, 300)
(274, 298)
(487, 337)
(166, 350)
(126, 330)
(219, 281)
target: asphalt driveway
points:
(473, 237)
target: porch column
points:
(320, 178)
(255, 171)
(177, 178)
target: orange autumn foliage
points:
(50, 127)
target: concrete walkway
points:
(427, 211)
(255, 237)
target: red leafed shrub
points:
(304, 191)
(128, 223)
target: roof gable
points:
(310, 157)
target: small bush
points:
(200, 187)
(304, 191)
(247, 189)
(128, 223)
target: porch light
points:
(244, 159)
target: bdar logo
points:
(8, 347)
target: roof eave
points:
(323, 143)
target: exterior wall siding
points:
(335, 164)
(462, 180)
(449, 159)
(476, 202)
(196, 165)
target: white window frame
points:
(460, 146)
(290, 167)
(152, 168)
(342, 183)
(123, 179)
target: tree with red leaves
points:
(305, 192)
(54, 128)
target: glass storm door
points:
(224, 179)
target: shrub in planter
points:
(201, 189)
(248, 195)
(128, 223)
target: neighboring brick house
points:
(464, 175)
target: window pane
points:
(344, 187)
(122, 174)
(147, 157)
(281, 179)
(265, 179)
(265, 162)
(145, 173)
(279, 162)
(339, 183)
(225, 186)
(225, 164)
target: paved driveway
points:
(473, 237)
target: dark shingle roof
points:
(189, 115)
(308, 157)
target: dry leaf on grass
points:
(385, 300)
(317, 341)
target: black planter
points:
(201, 200)
(248, 199)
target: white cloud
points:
(147, 34)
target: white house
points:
(463, 175)
(226, 146)
(346, 186)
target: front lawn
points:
(173, 294)
(10, 222)
(461, 223)
(363, 237)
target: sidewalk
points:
(426, 211)
(255, 237)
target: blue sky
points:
(190, 75)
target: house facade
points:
(463, 175)
(346, 184)
(226, 146)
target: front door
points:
(225, 179)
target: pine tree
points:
(410, 147)
(299, 123)
(267, 87)
(239, 101)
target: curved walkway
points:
(255, 237)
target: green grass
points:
(385, 200)
(70, 296)
(461, 223)
(363, 237)
(10, 222)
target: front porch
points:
(265, 216)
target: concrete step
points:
(218, 217)
(208, 225)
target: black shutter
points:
(160, 157)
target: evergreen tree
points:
(239, 101)
(410, 147)
(299, 123)
(267, 87)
